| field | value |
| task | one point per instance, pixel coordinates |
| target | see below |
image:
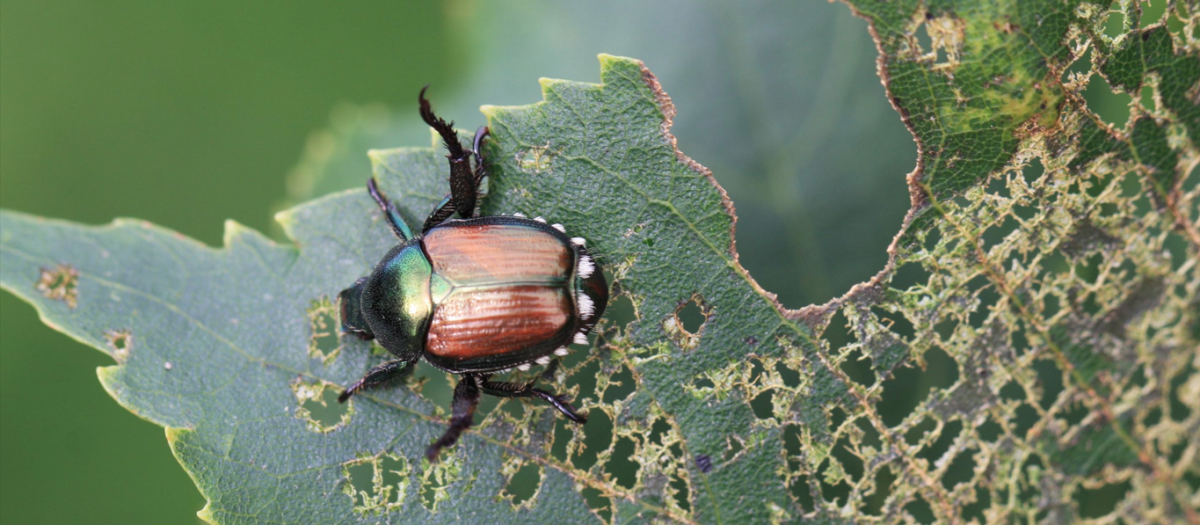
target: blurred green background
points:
(186, 114)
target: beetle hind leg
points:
(560, 402)
(466, 398)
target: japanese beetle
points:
(474, 296)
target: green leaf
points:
(796, 155)
(1041, 294)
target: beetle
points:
(474, 296)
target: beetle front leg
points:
(463, 186)
(505, 389)
(466, 398)
(480, 167)
(377, 376)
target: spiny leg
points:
(446, 208)
(464, 186)
(550, 370)
(505, 389)
(480, 167)
(466, 397)
(377, 376)
(389, 210)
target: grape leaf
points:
(1048, 267)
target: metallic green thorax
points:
(396, 299)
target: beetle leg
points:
(447, 207)
(441, 212)
(504, 389)
(389, 210)
(377, 376)
(551, 368)
(466, 397)
(463, 186)
(480, 168)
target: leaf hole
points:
(960, 470)
(1178, 248)
(1192, 479)
(1074, 413)
(915, 434)
(989, 431)
(1024, 417)
(1100, 501)
(563, 436)
(931, 239)
(834, 487)
(658, 430)
(1114, 24)
(873, 502)
(620, 312)
(620, 385)
(858, 368)
(584, 380)
(997, 185)
(523, 485)
(852, 465)
(323, 330)
(60, 283)
(535, 159)
(687, 324)
(974, 511)
(437, 478)
(837, 416)
(735, 447)
(1050, 379)
(802, 492)
(837, 330)
(910, 275)
(1111, 107)
(600, 505)
(318, 406)
(790, 378)
(377, 484)
(1153, 416)
(435, 385)
(995, 234)
(682, 492)
(987, 298)
(620, 465)
(919, 510)
(935, 450)
(1050, 306)
(1012, 391)
(1180, 411)
(1146, 98)
(763, 406)
(120, 344)
(598, 436)
(870, 436)
(909, 386)
(894, 322)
